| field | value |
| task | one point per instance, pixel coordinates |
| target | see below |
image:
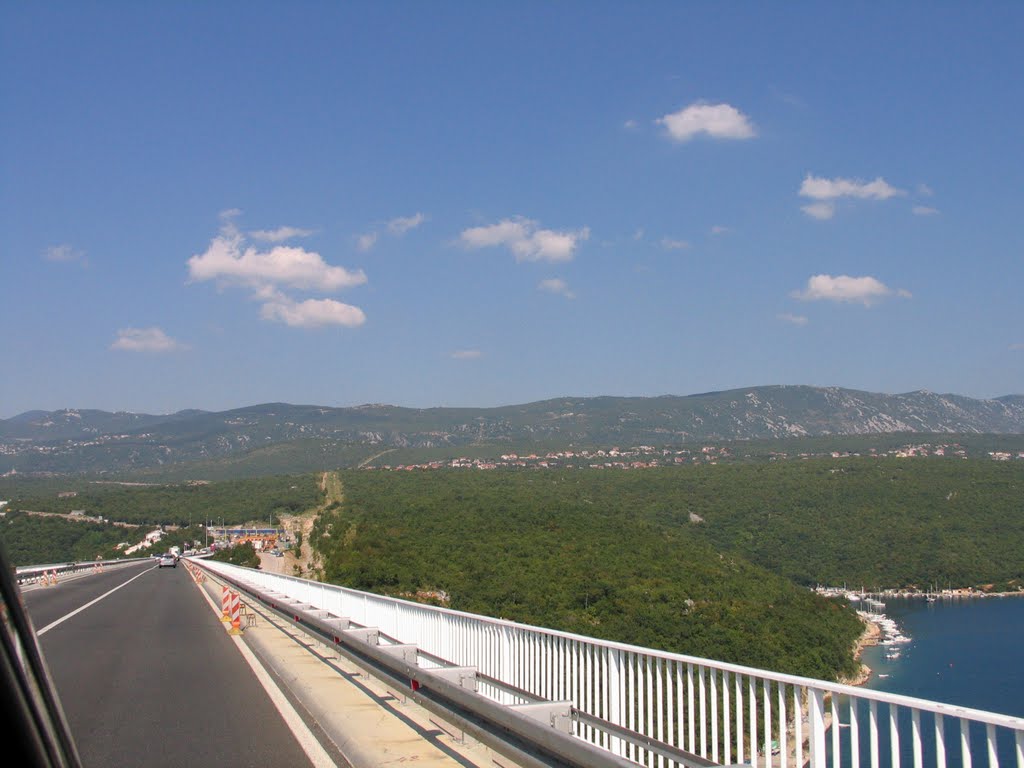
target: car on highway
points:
(168, 560)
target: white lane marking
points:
(61, 620)
(314, 750)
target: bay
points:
(965, 651)
(968, 652)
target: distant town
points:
(646, 456)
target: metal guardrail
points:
(534, 734)
(31, 574)
(662, 709)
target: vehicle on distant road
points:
(168, 560)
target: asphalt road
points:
(148, 676)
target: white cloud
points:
(718, 229)
(556, 285)
(230, 260)
(820, 188)
(786, 317)
(280, 234)
(402, 224)
(64, 253)
(630, 124)
(145, 340)
(367, 241)
(639, 234)
(826, 191)
(312, 313)
(925, 210)
(719, 121)
(466, 354)
(843, 288)
(523, 238)
(1017, 347)
(822, 211)
(924, 190)
(674, 245)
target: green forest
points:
(35, 540)
(181, 509)
(709, 560)
(230, 501)
(567, 551)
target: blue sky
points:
(211, 205)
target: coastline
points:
(874, 632)
(869, 637)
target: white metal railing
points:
(725, 713)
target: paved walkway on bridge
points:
(367, 724)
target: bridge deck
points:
(368, 724)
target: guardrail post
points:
(557, 714)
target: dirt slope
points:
(305, 564)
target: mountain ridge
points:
(93, 440)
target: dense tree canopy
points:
(710, 560)
(578, 551)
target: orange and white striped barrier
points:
(53, 578)
(225, 603)
(236, 614)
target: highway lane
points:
(148, 676)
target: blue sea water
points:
(966, 652)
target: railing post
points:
(990, 737)
(614, 670)
(835, 731)
(816, 711)
(752, 704)
(783, 749)
(965, 742)
(915, 736)
(854, 736)
(940, 743)
(798, 721)
(873, 728)
(702, 697)
(894, 736)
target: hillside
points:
(707, 559)
(71, 441)
(572, 553)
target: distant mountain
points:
(90, 441)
